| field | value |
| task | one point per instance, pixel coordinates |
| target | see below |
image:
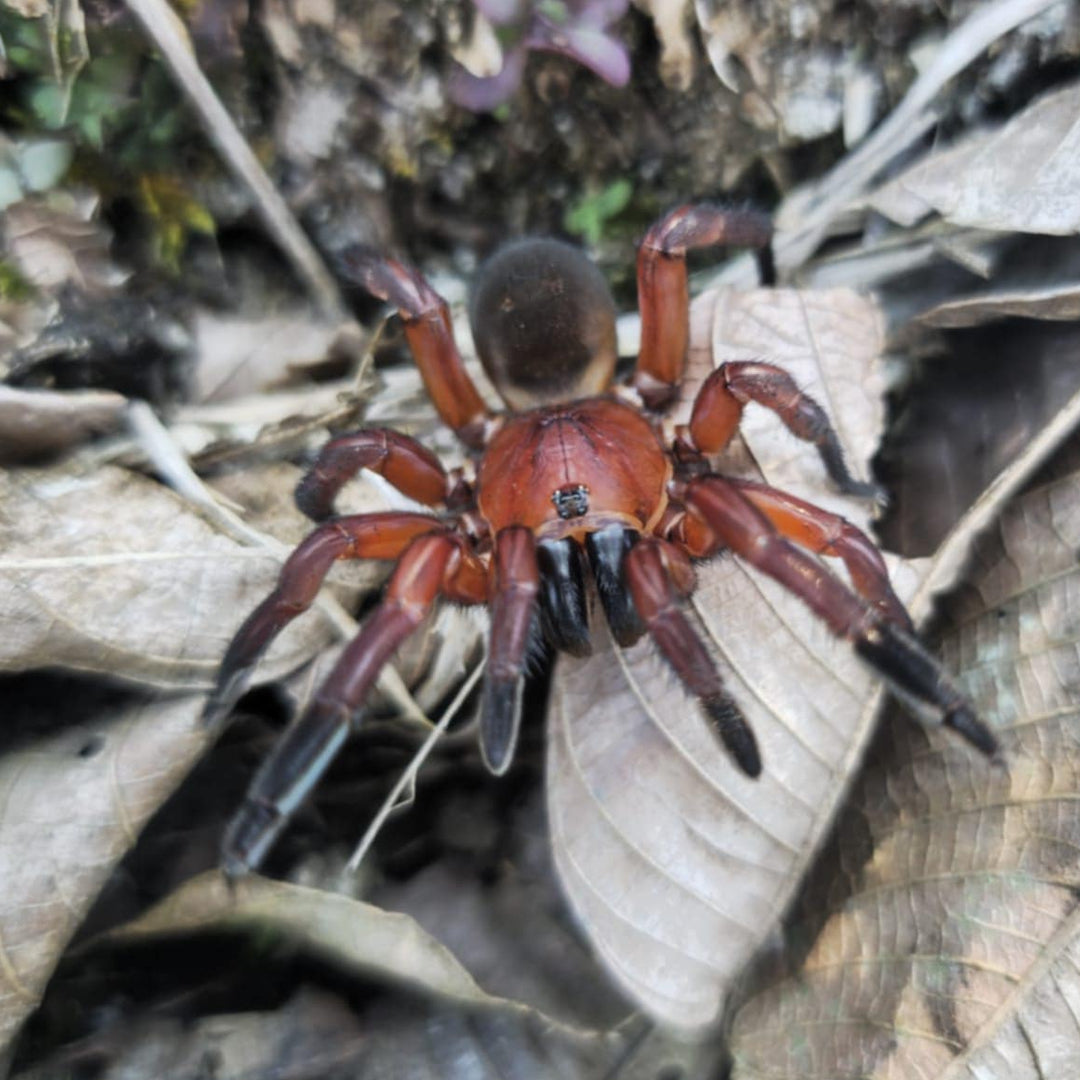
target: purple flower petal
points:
(600, 53)
(486, 94)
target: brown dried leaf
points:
(237, 356)
(1022, 177)
(677, 864)
(952, 949)
(356, 936)
(70, 807)
(111, 572)
(40, 423)
(57, 240)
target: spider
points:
(573, 482)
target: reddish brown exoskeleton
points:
(575, 489)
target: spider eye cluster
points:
(543, 321)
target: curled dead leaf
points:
(679, 866)
(39, 423)
(113, 573)
(70, 808)
(1022, 176)
(951, 945)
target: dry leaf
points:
(40, 423)
(57, 241)
(314, 1034)
(353, 935)
(70, 807)
(677, 864)
(1022, 177)
(1053, 301)
(952, 947)
(237, 356)
(111, 572)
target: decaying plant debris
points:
(175, 246)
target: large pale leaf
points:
(952, 947)
(1020, 177)
(111, 572)
(677, 864)
(70, 807)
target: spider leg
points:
(429, 564)
(431, 338)
(650, 581)
(825, 533)
(414, 470)
(894, 653)
(719, 405)
(361, 536)
(514, 588)
(663, 290)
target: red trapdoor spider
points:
(574, 482)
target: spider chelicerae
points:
(574, 483)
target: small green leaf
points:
(587, 217)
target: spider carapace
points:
(576, 487)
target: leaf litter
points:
(950, 946)
(909, 579)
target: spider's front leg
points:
(360, 536)
(413, 469)
(439, 562)
(431, 338)
(825, 533)
(733, 521)
(719, 405)
(664, 292)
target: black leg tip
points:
(966, 724)
(500, 718)
(311, 501)
(223, 697)
(249, 837)
(735, 732)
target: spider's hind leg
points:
(736, 523)
(410, 467)
(663, 289)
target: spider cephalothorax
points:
(578, 490)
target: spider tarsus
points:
(766, 263)
(312, 499)
(221, 702)
(917, 677)
(832, 456)
(500, 720)
(249, 837)
(735, 733)
(607, 549)
(966, 724)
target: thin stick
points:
(168, 33)
(807, 214)
(408, 777)
(166, 456)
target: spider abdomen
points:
(568, 470)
